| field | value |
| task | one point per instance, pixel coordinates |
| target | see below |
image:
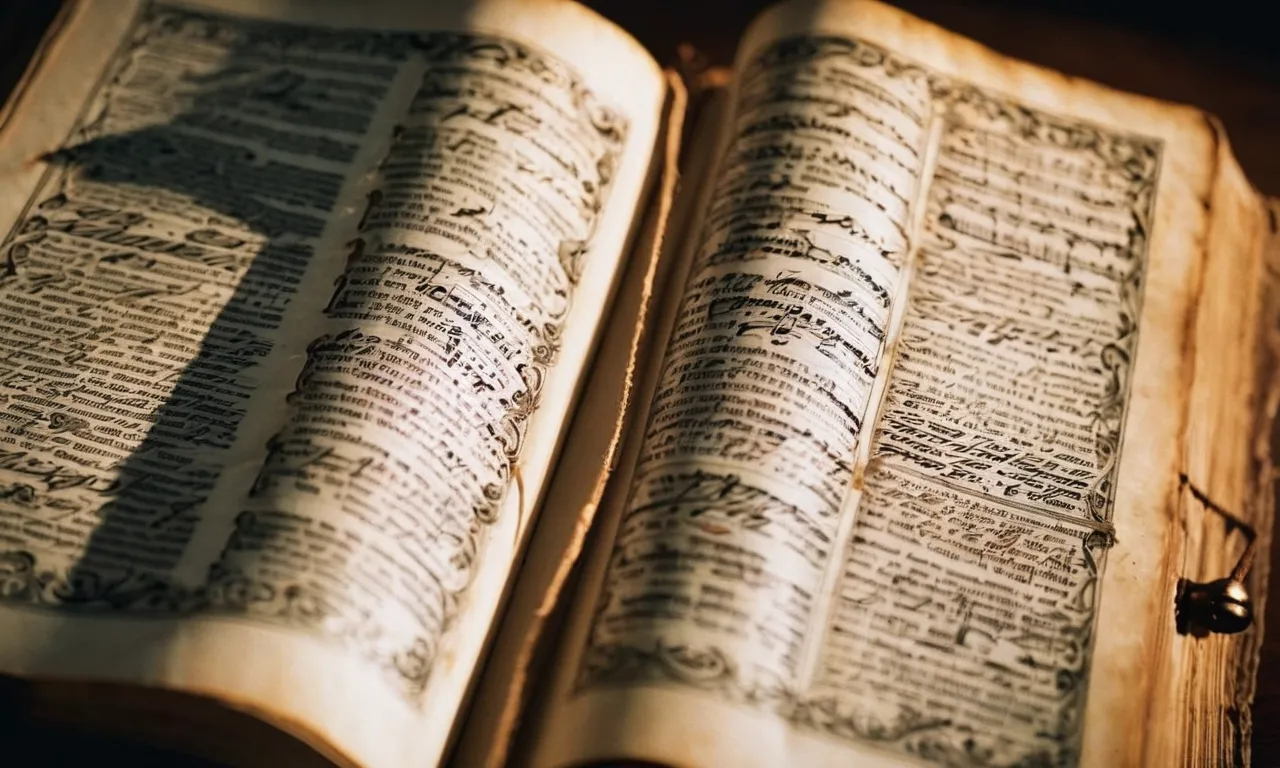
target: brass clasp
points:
(1222, 606)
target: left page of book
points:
(294, 302)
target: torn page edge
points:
(1263, 518)
(1217, 674)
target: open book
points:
(371, 394)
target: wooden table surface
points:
(1218, 57)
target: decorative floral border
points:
(712, 669)
(94, 590)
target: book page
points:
(596, 444)
(293, 307)
(909, 480)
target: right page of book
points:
(909, 486)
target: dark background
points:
(1222, 56)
